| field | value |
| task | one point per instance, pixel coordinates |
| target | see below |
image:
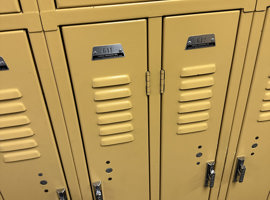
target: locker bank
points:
(134, 100)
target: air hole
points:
(40, 174)
(254, 145)
(46, 190)
(108, 162)
(257, 137)
(110, 178)
(109, 170)
(43, 182)
(199, 154)
(198, 163)
(252, 153)
(200, 146)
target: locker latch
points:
(210, 175)
(98, 191)
(62, 195)
(240, 170)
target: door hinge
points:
(162, 81)
(62, 194)
(98, 191)
(147, 79)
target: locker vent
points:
(16, 143)
(113, 105)
(194, 98)
(265, 109)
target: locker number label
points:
(107, 52)
(201, 41)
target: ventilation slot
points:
(16, 142)
(265, 108)
(113, 107)
(195, 92)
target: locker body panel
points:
(29, 157)
(9, 6)
(115, 137)
(79, 3)
(254, 140)
(187, 147)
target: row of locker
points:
(164, 105)
(14, 6)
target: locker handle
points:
(62, 195)
(210, 175)
(240, 170)
(98, 191)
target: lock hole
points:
(109, 170)
(43, 182)
(40, 174)
(198, 163)
(252, 153)
(257, 137)
(254, 145)
(46, 190)
(108, 162)
(110, 178)
(200, 146)
(199, 154)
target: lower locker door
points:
(107, 63)
(30, 167)
(253, 181)
(197, 52)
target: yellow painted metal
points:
(262, 5)
(255, 34)
(9, 6)
(24, 157)
(254, 139)
(125, 151)
(182, 173)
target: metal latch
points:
(62, 194)
(210, 175)
(240, 170)
(98, 191)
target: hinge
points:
(147, 79)
(162, 81)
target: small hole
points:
(200, 146)
(257, 137)
(254, 145)
(199, 154)
(40, 174)
(108, 162)
(252, 153)
(109, 170)
(46, 190)
(198, 163)
(110, 178)
(43, 182)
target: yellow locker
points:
(9, 6)
(197, 58)
(250, 178)
(107, 64)
(30, 166)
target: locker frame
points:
(262, 5)
(53, 19)
(246, 81)
(29, 20)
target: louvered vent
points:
(113, 105)
(265, 109)
(16, 142)
(195, 98)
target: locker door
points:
(30, 166)
(254, 144)
(107, 64)
(9, 6)
(197, 58)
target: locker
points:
(79, 3)
(30, 166)
(9, 6)
(197, 56)
(250, 175)
(107, 70)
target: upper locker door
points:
(107, 63)
(254, 144)
(30, 166)
(198, 52)
(9, 6)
